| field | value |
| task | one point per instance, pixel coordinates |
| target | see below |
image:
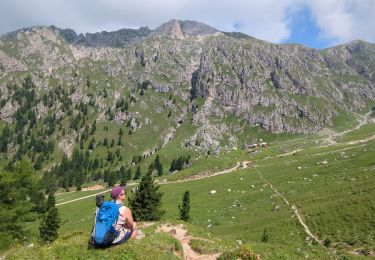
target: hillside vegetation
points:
(275, 143)
(331, 186)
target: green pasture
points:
(332, 187)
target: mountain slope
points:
(182, 79)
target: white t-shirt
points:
(119, 226)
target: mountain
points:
(125, 37)
(180, 101)
(183, 73)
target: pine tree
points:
(184, 210)
(48, 229)
(93, 128)
(111, 179)
(51, 201)
(123, 176)
(160, 170)
(158, 166)
(138, 173)
(146, 201)
(151, 168)
(39, 201)
(129, 174)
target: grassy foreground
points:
(332, 186)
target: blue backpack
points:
(104, 231)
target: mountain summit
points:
(281, 88)
(175, 29)
(179, 29)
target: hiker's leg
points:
(135, 230)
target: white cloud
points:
(340, 20)
(262, 19)
(345, 20)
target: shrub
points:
(244, 252)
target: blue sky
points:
(304, 30)
(313, 23)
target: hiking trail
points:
(238, 166)
(180, 233)
(295, 210)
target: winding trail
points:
(362, 120)
(239, 165)
(330, 140)
(180, 233)
(294, 208)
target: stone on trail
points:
(140, 235)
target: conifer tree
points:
(129, 174)
(39, 201)
(123, 176)
(158, 166)
(151, 168)
(160, 170)
(48, 229)
(51, 201)
(137, 173)
(111, 179)
(185, 209)
(146, 201)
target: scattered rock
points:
(140, 234)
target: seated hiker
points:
(125, 224)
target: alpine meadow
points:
(230, 147)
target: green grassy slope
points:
(335, 200)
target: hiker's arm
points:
(129, 219)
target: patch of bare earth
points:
(94, 187)
(180, 233)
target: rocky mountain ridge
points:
(124, 37)
(282, 88)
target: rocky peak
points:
(171, 29)
(195, 28)
(178, 29)
(119, 38)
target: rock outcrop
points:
(282, 88)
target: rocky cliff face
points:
(283, 88)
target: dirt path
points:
(238, 166)
(330, 139)
(81, 198)
(295, 210)
(362, 120)
(180, 233)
